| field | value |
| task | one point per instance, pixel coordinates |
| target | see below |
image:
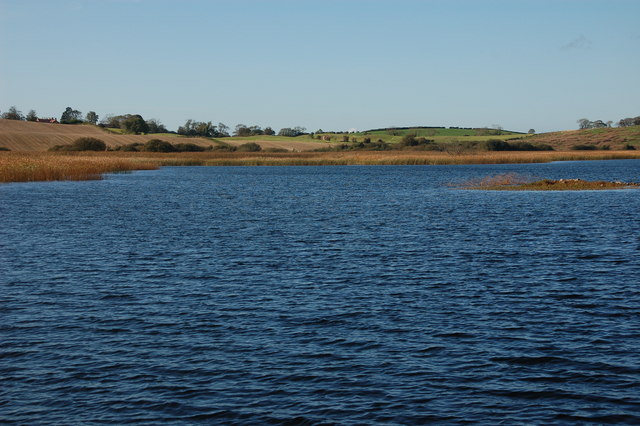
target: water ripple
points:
(351, 295)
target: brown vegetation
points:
(31, 136)
(613, 138)
(15, 166)
(515, 182)
(21, 167)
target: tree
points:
(287, 131)
(223, 130)
(256, 130)
(111, 121)
(242, 130)
(197, 128)
(584, 123)
(31, 115)
(71, 116)
(205, 129)
(155, 126)
(91, 117)
(625, 122)
(532, 131)
(269, 131)
(135, 124)
(13, 114)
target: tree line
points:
(585, 123)
(136, 124)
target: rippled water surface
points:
(320, 295)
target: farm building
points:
(47, 120)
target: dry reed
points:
(20, 167)
(15, 167)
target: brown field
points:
(31, 136)
(615, 138)
(32, 166)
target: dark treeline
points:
(585, 123)
(136, 124)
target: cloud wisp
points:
(580, 43)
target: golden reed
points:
(39, 166)
(21, 167)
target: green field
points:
(441, 135)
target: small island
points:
(514, 183)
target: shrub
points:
(224, 147)
(584, 147)
(132, 147)
(2, 148)
(409, 140)
(496, 145)
(188, 147)
(249, 147)
(275, 150)
(627, 147)
(88, 144)
(82, 144)
(157, 145)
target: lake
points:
(304, 295)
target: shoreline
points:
(18, 166)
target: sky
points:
(325, 64)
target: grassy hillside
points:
(613, 138)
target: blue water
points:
(304, 295)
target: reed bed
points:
(21, 167)
(376, 158)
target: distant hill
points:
(441, 131)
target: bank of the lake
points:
(44, 166)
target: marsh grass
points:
(372, 158)
(20, 167)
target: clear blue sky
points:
(330, 64)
